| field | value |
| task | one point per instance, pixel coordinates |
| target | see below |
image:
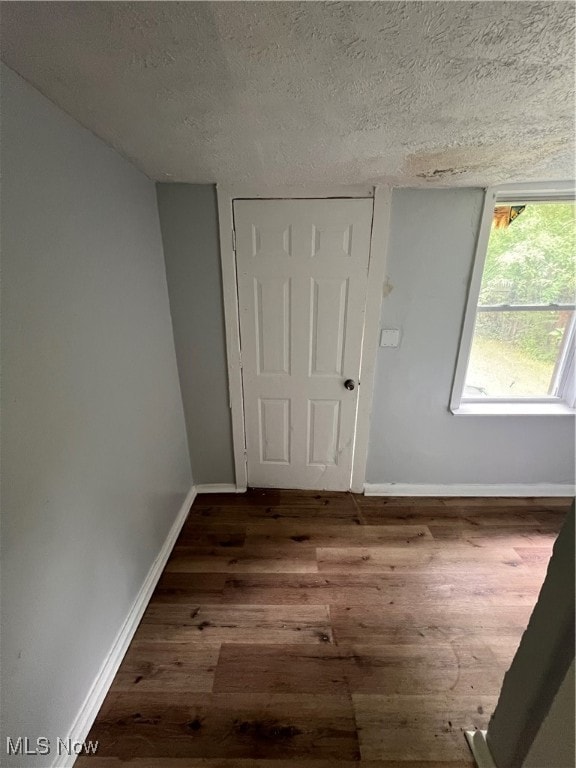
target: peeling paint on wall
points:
(387, 288)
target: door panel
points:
(272, 302)
(323, 432)
(275, 431)
(301, 270)
(329, 302)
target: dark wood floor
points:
(320, 630)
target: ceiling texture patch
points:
(300, 93)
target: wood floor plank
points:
(554, 517)
(458, 666)
(397, 501)
(233, 515)
(161, 666)
(467, 502)
(306, 534)
(468, 519)
(270, 498)
(535, 556)
(419, 727)
(480, 510)
(270, 506)
(227, 725)
(253, 497)
(201, 762)
(497, 536)
(217, 535)
(435, 557)
(425, 624)
(189, 588)
(320, 630)
(407, 589)
(525, 502)
(240, 560)
(208, 624)
(300, 589)
(315, 499)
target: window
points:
(518, 339)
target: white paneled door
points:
(302, 269)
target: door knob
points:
(349, 384)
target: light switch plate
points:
(390, 337)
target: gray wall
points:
(541, 663)
(95, 463)
(189, 221)
(554, 742)
(414, 438)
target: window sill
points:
(513, 409)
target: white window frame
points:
(564, 403)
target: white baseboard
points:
(220, 488)
(479, 748)
(93, 701)
(519, 489)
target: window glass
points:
(514, 354)
(519, 339)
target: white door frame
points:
(376, 279)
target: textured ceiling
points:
(301, 93)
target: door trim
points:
(375, 293)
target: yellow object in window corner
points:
(504, 215)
